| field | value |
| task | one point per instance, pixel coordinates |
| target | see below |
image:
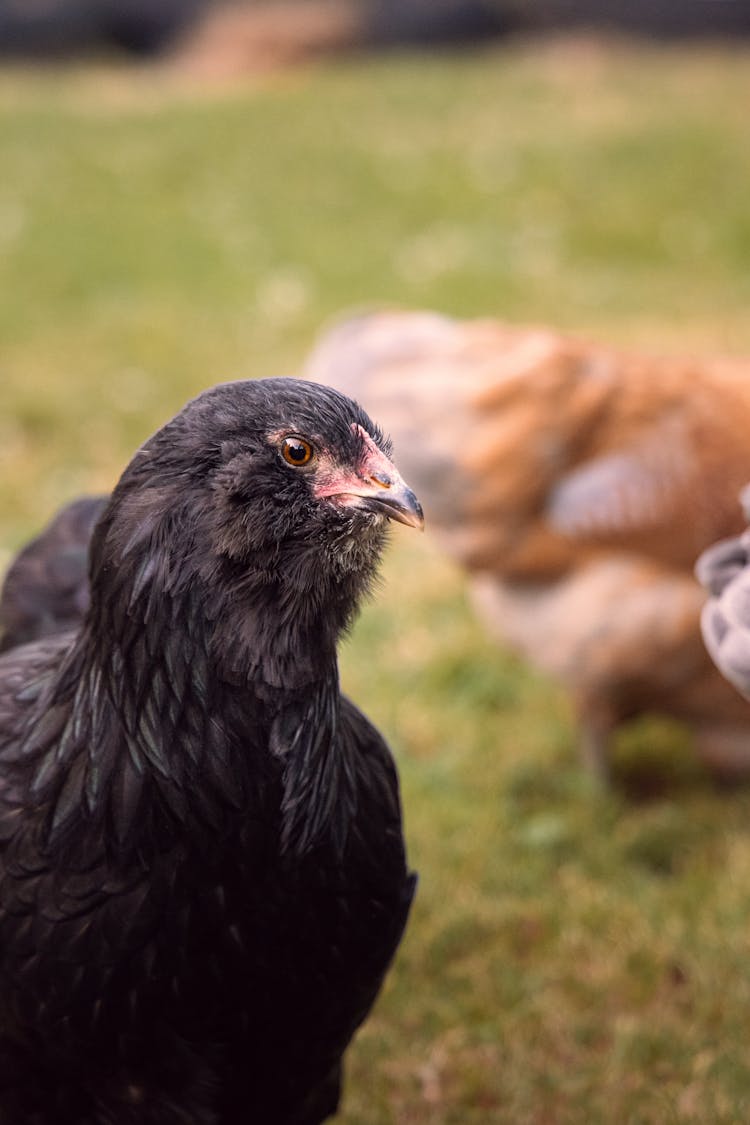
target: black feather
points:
(46, 589)
(202, 869)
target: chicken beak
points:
(392, 498)
(375, 486)
(382, 489)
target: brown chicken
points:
(577, 485)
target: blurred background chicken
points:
(724, 569)
(577, 486)
(46, 588)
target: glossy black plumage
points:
(203, 870)
(46, 588)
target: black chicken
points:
(203, 870)
(46, 589)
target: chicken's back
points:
(46, 589)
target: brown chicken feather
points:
(577, 485)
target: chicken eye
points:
(296, 451)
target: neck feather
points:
(200, 704)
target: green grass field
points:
(573, 958)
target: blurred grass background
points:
(573, 956)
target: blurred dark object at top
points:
(428, 23)
(269, 33)
(59, 27)
(659, 18)
(431, 22)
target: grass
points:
(573, 956)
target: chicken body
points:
(724, 570)
(202, 869)
(577, 486)
(46, 589)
